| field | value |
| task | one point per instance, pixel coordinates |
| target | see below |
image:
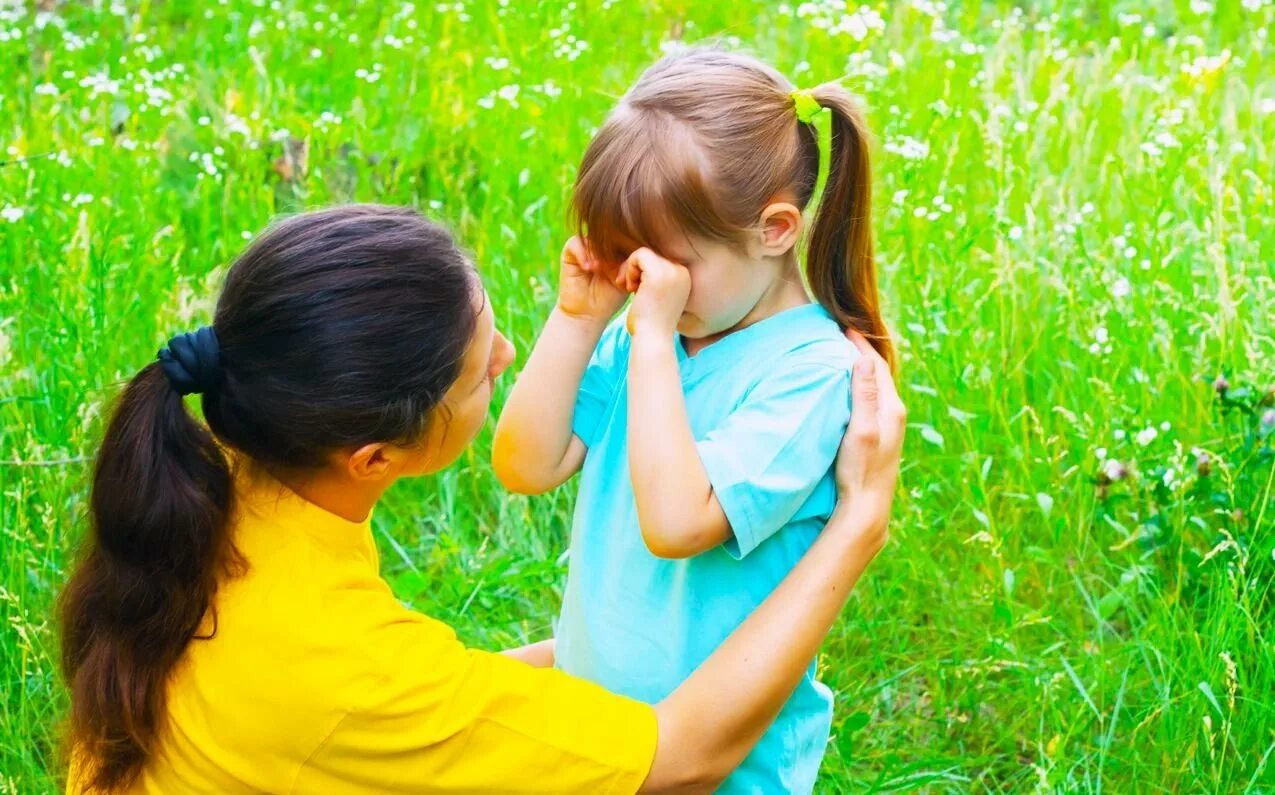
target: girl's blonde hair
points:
(703, 142)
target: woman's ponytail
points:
(840, 263)
(334, 329)
(159, 541)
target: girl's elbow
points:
(514, 482)
(513, 477)
(665, 542)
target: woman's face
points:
(463, 410)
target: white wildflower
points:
(908, 148)
(101, 83)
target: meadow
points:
(1073, 210)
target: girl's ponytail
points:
(160, 505)
(840, 264)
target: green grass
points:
(1073, 215)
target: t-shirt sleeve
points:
(601, 378)
(434, 716)
(773, 450)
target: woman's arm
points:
(703, 736)
(534, 449)
(537, 655)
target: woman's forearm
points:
(532, 445)
(704, 736)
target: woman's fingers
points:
(889, 406)
(865, 422)
(860, 342)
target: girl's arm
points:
(677, 510)
(703, 736)
(534, 449)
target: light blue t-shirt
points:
(768, 406)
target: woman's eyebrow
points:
(485, 369)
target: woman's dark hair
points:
(336, 328)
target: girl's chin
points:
(690, 326)
(694, 328)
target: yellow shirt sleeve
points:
(429, 715)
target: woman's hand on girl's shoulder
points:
(867, 468)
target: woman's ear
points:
(780, 228)
(369, 462)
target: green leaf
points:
(1002, 613)
(855, 721)
(1109, 604)
(932, 436)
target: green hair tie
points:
(807, 107)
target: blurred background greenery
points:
(1073, 206)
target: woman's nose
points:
(505, 355)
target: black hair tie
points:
(192, 361)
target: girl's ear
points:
(780, 228)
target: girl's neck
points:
(786, 292)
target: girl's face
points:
(727, 284)
(463, 410)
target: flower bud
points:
(1114, 470)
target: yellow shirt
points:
(318, 681)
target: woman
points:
(227, 630)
